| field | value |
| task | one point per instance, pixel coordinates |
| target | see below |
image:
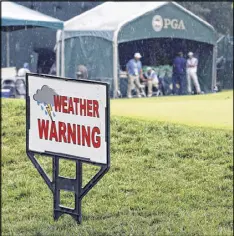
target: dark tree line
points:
(218, 14)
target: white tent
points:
(110, 16)
(16, 17)
(118, 22)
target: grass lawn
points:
(165, 178)
(211, 110)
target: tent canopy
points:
(94, 37)
(15, 17)
(114, 17)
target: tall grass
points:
(165, 179)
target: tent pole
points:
(115, 67)
(62, 56)
(214, 71)
(8, 48)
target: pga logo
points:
(159, 23)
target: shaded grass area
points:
(210, 110)
(165, 179)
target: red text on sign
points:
(76, 106)
(69, 133)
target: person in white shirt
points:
(22, 71)
(152, 80)
(134, 70)
(192, 64)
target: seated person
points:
(164, 83)
(82, 72)
(151, 80)
(25, 69)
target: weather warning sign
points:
(68, 118)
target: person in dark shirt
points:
(179, 73)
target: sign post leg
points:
(67, 184)
(78, 192)
(56, 192)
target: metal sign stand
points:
(68, 184)
(72, 185)
(58, 182)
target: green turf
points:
(211, 110)
(165, 179)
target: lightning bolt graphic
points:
(49, 109)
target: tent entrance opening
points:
(159, 54)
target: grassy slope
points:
(165, 179)
(213, 110)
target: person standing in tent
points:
(179, 73)
(134, 71)
(192, 63)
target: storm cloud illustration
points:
(45, 95)
(45, 99)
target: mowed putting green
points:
(210, 110)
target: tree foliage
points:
(218, 14)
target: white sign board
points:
(68, 118)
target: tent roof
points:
(110, 16)
(15, 16)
